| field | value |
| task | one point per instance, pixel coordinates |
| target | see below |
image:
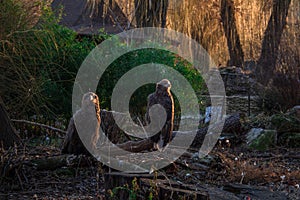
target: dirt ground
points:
(40, 172)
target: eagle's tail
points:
(160, 145)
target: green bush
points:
(39, 64)
(126, 62)
(282, 94)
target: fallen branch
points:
(40, 125)
(136, 146)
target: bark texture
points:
(270, 45)
(151, 13)
(233, 39)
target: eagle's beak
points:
(91, 97)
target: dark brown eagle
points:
(162, 96)
(87, 122)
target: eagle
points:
(86, 121)
(162, 96)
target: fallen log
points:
(57, 161)
(137, 146)
(48, 163)
(120, 142)
(232, 125)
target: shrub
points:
(138, 101)
(39, 63)
(282, 94)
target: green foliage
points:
(12, 18)
(153, 190)
(132, 59)
(132, 190)
(39, 65)
(265, 141)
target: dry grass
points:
(23, 50)
(259, 170)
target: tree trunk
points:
(8, 134)
(270, 44)
(151, 13)
(233, 40)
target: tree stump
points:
(8, 134)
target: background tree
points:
(271, 41)
(151, 13)
(233, 40)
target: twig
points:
(142, 127)
(39, 124)
(243, 176)
(19, 178)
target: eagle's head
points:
(90, 102)
(164, 85)
(89, 99)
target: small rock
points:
(253, 134)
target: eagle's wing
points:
(88, 119)
(72, 143)
(166, 131)
(151, 100)
(163, 137)
(67, 144)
